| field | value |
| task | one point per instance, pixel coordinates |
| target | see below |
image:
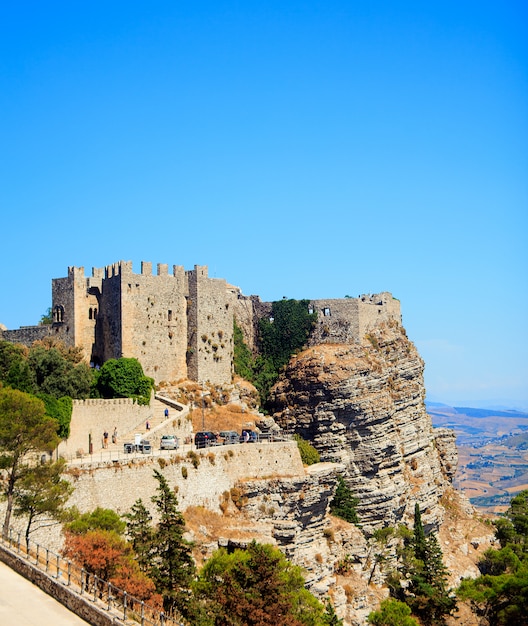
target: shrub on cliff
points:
(343, 503)
(309, 454)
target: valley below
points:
(492, 453)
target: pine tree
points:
(173, 568)
(141, 534)
(344, 504)
(428, 594)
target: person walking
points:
(105, 439)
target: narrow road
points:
(24, 604)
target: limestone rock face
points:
(362, 405)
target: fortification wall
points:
(375, 309)
(108, 332)
(95, 416)
(27, 334)
(118, 486)
(337, 321)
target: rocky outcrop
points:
(362, 405)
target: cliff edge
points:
(362, 405)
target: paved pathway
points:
(24, 604)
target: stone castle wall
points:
(27, 334)
(93, 417)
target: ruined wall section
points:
(376, 309)
(210, 307)
(337, 321)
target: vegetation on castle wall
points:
(123, 378)
(280, 337)
(243, 362)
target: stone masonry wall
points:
(27, 334)
(210, 328)
(118, 486)
(96, 416)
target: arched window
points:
(58, 314)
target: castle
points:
(179, 325)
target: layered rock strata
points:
(362, 405)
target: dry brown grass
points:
(227, 417)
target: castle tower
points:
(210, 308)
(74, 310)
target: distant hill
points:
(493, 452)
(489, 413)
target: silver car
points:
(169, 442)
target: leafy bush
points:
(123, 378)
(309, 454)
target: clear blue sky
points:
(309, 149)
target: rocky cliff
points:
(362, 405)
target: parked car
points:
(144, 447)
(248, 436)
(205, 438)
(229, 436)
(169, 442)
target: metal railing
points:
(79, 581)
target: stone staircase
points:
(159, 424)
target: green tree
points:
(392, 612)
(172, 567)
(124, 378)
(343, 503)
(56, 375)
(46, 318)
(24, 429)
(14, 367)
(426, 589)
(60, 409)
(257, 586)
(141, 534)
(41, 496)
(98, 519)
